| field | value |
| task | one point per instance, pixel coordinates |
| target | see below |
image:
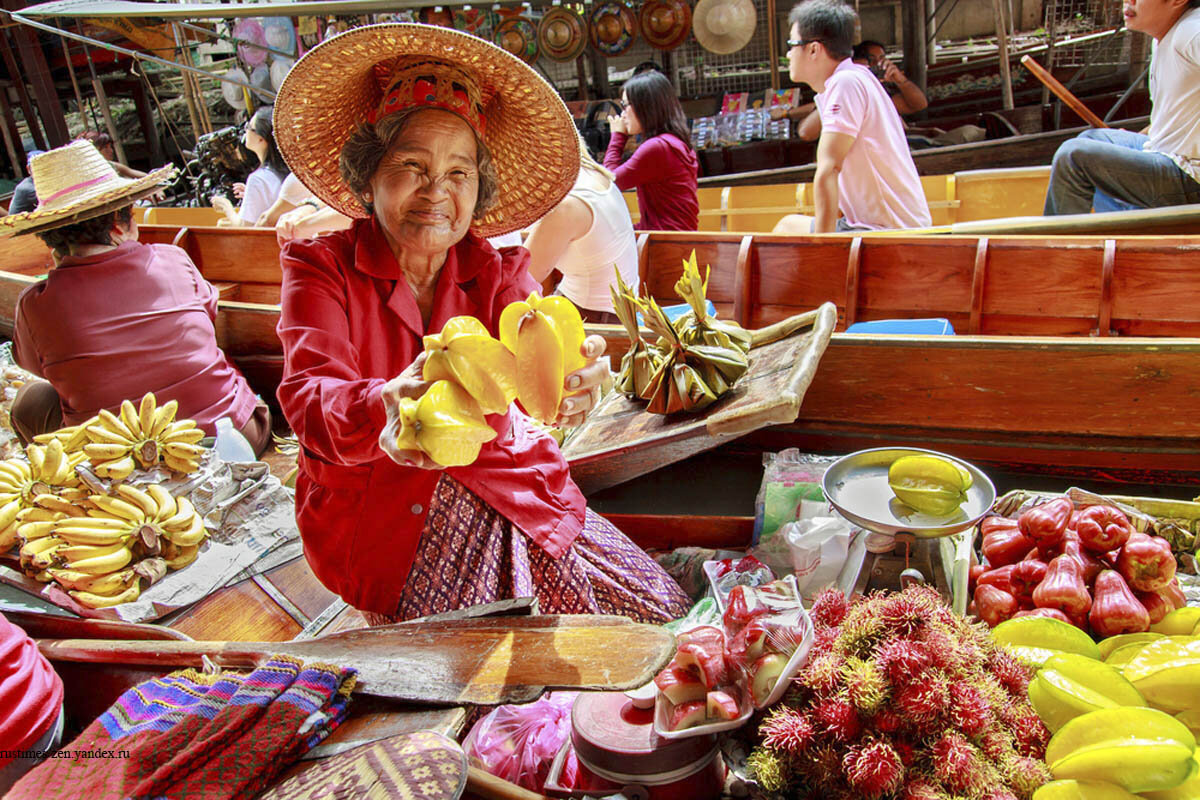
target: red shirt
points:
(31, 692)
(135, 319)
(663, 170)
(349, 324)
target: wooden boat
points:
(1074, 353)
(1030, 149)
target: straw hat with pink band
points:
(367, 73)
(76, 183)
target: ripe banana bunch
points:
(464, 352)
(73, 437)
(445, 423)
(546, 336)
(142, 436)
(49, 469)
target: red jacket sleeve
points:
(23, 348)
(648, 164)
(336, 413)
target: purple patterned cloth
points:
(470, 554)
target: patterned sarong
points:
(470, 554)
(196, 736)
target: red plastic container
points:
(614, 749)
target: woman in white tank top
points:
(583, 237)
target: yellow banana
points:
(146, 413)
(182, 516)
(8, 537)
(109, 583)
(29, 531)
(163, 500)
(83, 552)
(164, 415)
(92, 600)
(44, 438)
(184, 451)
(78, 437)
(44, 576)
(91, 537)
(37, 457)
(52, 502)
(49, 557)
(53, 462)
(37, 514)
(32, 549)
(118, 507)
(188, 537)
(101, 434)
(135, 496)
(183, 465)
(182, 430)
(104, 523)
(8, 496)
(129, 416)
(181, 557)
(117, 470)
(114, 424)
(15, 471)
(102, 564)
(8, 513)
(100, 452)
(74, 494)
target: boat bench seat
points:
(227, 290)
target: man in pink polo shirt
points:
(116, 318)
(864, 167)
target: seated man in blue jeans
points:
(1143, 171)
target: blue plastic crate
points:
(935, 326)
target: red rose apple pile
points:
(714, 670)
(1086, 566)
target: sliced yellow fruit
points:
(1114, 729)
(1081, 790)
(1043, 633)
(1180, 621)
(1107, 646)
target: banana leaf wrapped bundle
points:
(688, 377)
(640, 361)
(697, 326)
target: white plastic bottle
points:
(231, 445)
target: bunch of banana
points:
(73, 437)
(697, 327)
(640, 360)
(464, 352)
(48, 470)
(689, 377)
(546, 336)
(142, 436)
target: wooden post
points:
(1002, 43)
(18, 79)
(102, 101)
(600, 73)
(581, 77)
(193, 116)
(146, 118)
(35, 68)
(12, 137)
(914, 41)
(930, 35)
(773, 39)
(1051, 33)
(75, 85)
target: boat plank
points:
(669, 531)
(242, 613)
(296, 581)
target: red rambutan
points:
(999, 793)
(969, 710)
(824, 639)
(909, 611)
(822, 674)
(829, 608)
(906, 751)
(925, 699)
(873, 769)
(837, 717)
(788, 730)
(921, 789)
(1025, 775)
(822, 767)
(886, 720)
(901, 659)
(1011, 672)
(1029, 733)
(997, 744)
(956, 763)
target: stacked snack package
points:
(719, 675)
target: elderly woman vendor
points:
(440, 139)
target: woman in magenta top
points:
(663, 168)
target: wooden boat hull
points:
(1029, 381)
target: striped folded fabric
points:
(198, 736)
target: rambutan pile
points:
(902, 699)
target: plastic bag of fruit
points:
(519, 742)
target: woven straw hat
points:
(337, 84)
(76, 183)
(613, 27)
(724, 26)
(561, 34)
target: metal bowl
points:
(857, 486)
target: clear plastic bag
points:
(519, 742)
(789, 477)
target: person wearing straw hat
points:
(864, 168)
(116, 318)
(664, 167)
(432, 140)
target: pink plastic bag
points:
(518, 743)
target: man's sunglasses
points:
(801, 42)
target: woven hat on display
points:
(561, 35)
(75, 183)
(724, 26)
(477, 21)
(518, 36)
(369, 72)
(437, 15)
(665, 23)
(613, 27)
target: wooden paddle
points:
(1062, 92)
(482, 661)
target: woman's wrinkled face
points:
(631, 117)
(425, 187)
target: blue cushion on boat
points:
(926, 327)
(675, 312)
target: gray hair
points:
(829, 21)
(369, 143)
